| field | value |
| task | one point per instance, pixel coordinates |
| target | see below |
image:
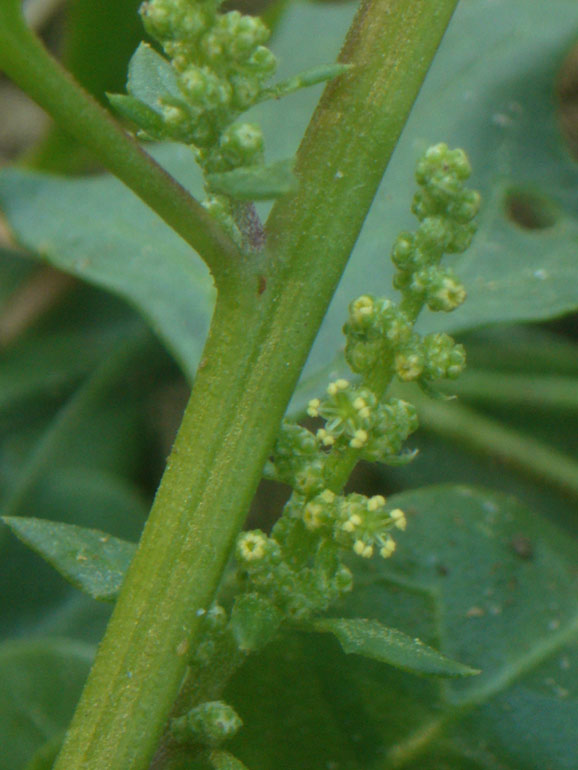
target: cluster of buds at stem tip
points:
(221, 65)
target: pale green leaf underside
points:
(388, 645)
(97, 230)
(92, 561)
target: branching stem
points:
(265, 321)
(28, 63)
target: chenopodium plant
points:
(295, 573)
(217, 67)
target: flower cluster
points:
(354, 521)
(356, 418)
(446, 210)
(298, 567)
(221, 66)
(299, 572)
(302, 567)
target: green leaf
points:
(306, 79)
(40, 682)
(97, 230)
(92, 561)
(139, 113)
(492, 93)
(256, 183)
(44, 758)
(222, 760)
(478, 576)
(152, 82)
(151, 77)
(388, 645)
(254, 621)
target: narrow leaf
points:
(310, 77)
(138, 112)
(388, 645)
(256, 183)
(92, 561)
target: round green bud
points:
(262, 62)
(466, 207)
(445, 292)
(211, 723)
(204, 88)
(432, 236)
(242, 144)
(461, 238)
(246, 90)
(402, 252)
(444, 358)
(409, 364)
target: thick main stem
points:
(259, 340)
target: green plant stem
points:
(490, 437)
(259, 340)
(24, 59)
(552, 392)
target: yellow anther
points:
(325, 437)
(360, 438)
(351, 523)
(387, 549)
(313, 407)
(375, 502)
(398, 517)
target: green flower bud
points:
(461, 238)
(211, 723)
(465, 207)
(409, 363)
(242, 144)
(444, 358)
(262, 62)
(246, 90)
(204, 89)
